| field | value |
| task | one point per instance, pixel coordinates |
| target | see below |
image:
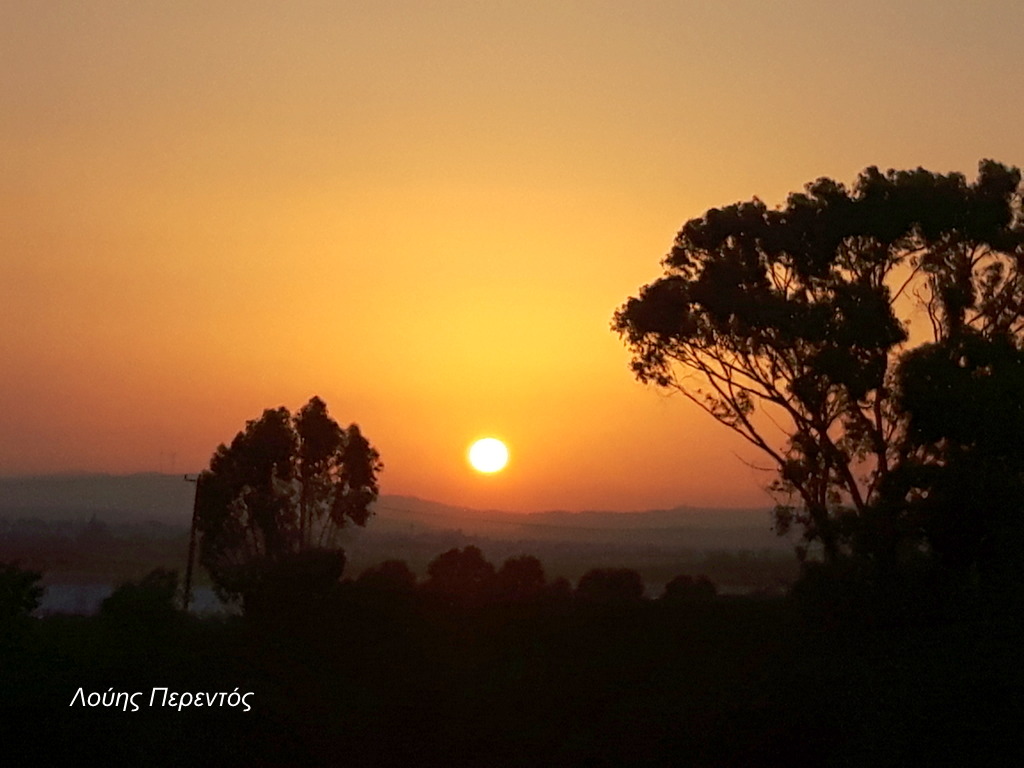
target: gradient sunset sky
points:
(426, 214)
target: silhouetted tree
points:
(962, 468)
(296, 584)
(796, 318)
(272, 504)
(520, 579)
(684, 588)
(611, 586)
(151, 600)
(20, 592)
(559, 591)
(391, 576)
(463, 575)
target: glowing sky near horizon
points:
(426, 214)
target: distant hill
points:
(701, 528)
(113, 498)
(106, 528)
(167, 499)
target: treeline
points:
(95, 550)
(465, 577)
(310, 583)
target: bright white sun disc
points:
(488, 455)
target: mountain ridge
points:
(168, 499)
(100, 490)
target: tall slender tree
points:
(277, 499)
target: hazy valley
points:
(104, 529)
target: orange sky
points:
(426, 213)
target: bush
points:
(686, 589)
(151, 600)
(19, 592)
(461, 576)
(610, 585)
(298, 584)
(520, 580)
(390, 577)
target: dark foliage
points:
(610, 586)
(20, 592)
(391, 576)
(295, 585)
(461, 575)
(519, 580)
(802, 313)
(384, 678)
(725, 682)
(272, 504)
(149, 601)
(963, 470)
(689, 589)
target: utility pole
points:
(187, 598)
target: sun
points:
(488, 455)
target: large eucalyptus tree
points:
(843, 334)
(272, 505)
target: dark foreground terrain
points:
(372, 678)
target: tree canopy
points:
(463, 575)
(867, 340)
(614, 586)
(277, 498)
(20, 592)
